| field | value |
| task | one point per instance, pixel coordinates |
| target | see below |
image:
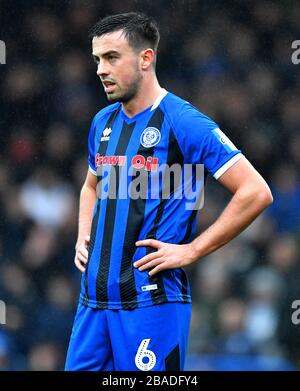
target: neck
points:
(146, 96)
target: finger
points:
(157, 269)
(82, 250)
(147, 258)
(151, 264)
(149, 243)
(79, 266)
(81, 258)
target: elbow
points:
(270, 198)
(257, 196)
(264, 197)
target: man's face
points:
(118, 66)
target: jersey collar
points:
(161, 96)
(154, 106)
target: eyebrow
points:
(105, 54)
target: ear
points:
(147, 58)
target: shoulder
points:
(104, 113)
(173, 105)
(182, 113)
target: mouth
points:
(108, 86)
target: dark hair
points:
(140, 30)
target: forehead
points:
(112, 41)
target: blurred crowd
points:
(230, 59)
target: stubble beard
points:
(126, 95)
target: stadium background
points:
(232, 60)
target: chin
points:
(123, 98)
(112, 98)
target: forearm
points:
(251, 196)
(86, 208)
(243, 208)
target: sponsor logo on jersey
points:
(138, 161)
(109, 160)
(146, 288)
(106, 134)
(150, 137)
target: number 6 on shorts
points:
(142, 353)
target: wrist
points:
(78, 243)
(193, 251)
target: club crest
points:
(150, 137)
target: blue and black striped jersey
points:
(121, 151)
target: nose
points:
(102, 69)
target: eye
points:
(112, 57)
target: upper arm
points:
(202, 142)
(243, 174)
(90, 180)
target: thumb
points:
(87, 239)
